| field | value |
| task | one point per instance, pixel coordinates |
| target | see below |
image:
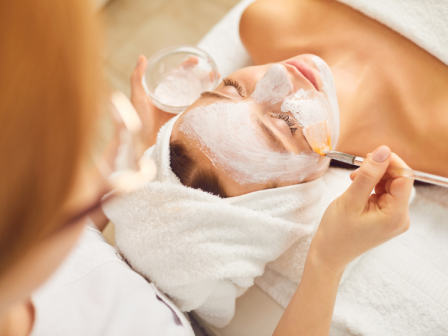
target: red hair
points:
(49, 66)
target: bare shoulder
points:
(260, 27)
(268, 26)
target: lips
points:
(305, 70)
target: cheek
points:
(307, 107)
(330, 90)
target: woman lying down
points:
(238, 187)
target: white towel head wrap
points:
(202, 250)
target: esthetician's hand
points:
(152, 117)
(358, 221)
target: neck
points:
(18, 321)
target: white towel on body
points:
(401, 287)
(202, 250)
(423, 22)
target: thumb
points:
(368, 176)
(137, 91)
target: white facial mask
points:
(274, 86)
(308, 107)
(229, 136)
(234, 143)
(330, 90)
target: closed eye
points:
(271, 136)
(287, 119)
(235, 84)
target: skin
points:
(152, 118)
(280, 138)
(390, 91)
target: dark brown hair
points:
(187, 170)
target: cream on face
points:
(230, 137)
(308, 107)
(229, 134)
(330, 91)
(274, 86)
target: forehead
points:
(176, 134)
(192, 144)
(248, 76)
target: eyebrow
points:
(271, 135)
(215, 95)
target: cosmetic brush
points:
(319, 138)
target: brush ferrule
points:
(342, 157)
(358, 161)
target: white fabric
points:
(200, 249)
(282, 276)
(95, 293)
(401, 287)
(423, 22)
(279, 202)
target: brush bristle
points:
(319, 137)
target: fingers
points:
(395, 160)
(380, 188)
(190, 61)
(400, 187)
(353, 174)
(368, 176)
(213, 75)
(137, 91)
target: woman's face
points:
(249, 130)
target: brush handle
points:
(409, 173)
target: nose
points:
(274, 86)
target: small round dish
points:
(175, 77)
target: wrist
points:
(315, 262)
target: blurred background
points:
(134, 27)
